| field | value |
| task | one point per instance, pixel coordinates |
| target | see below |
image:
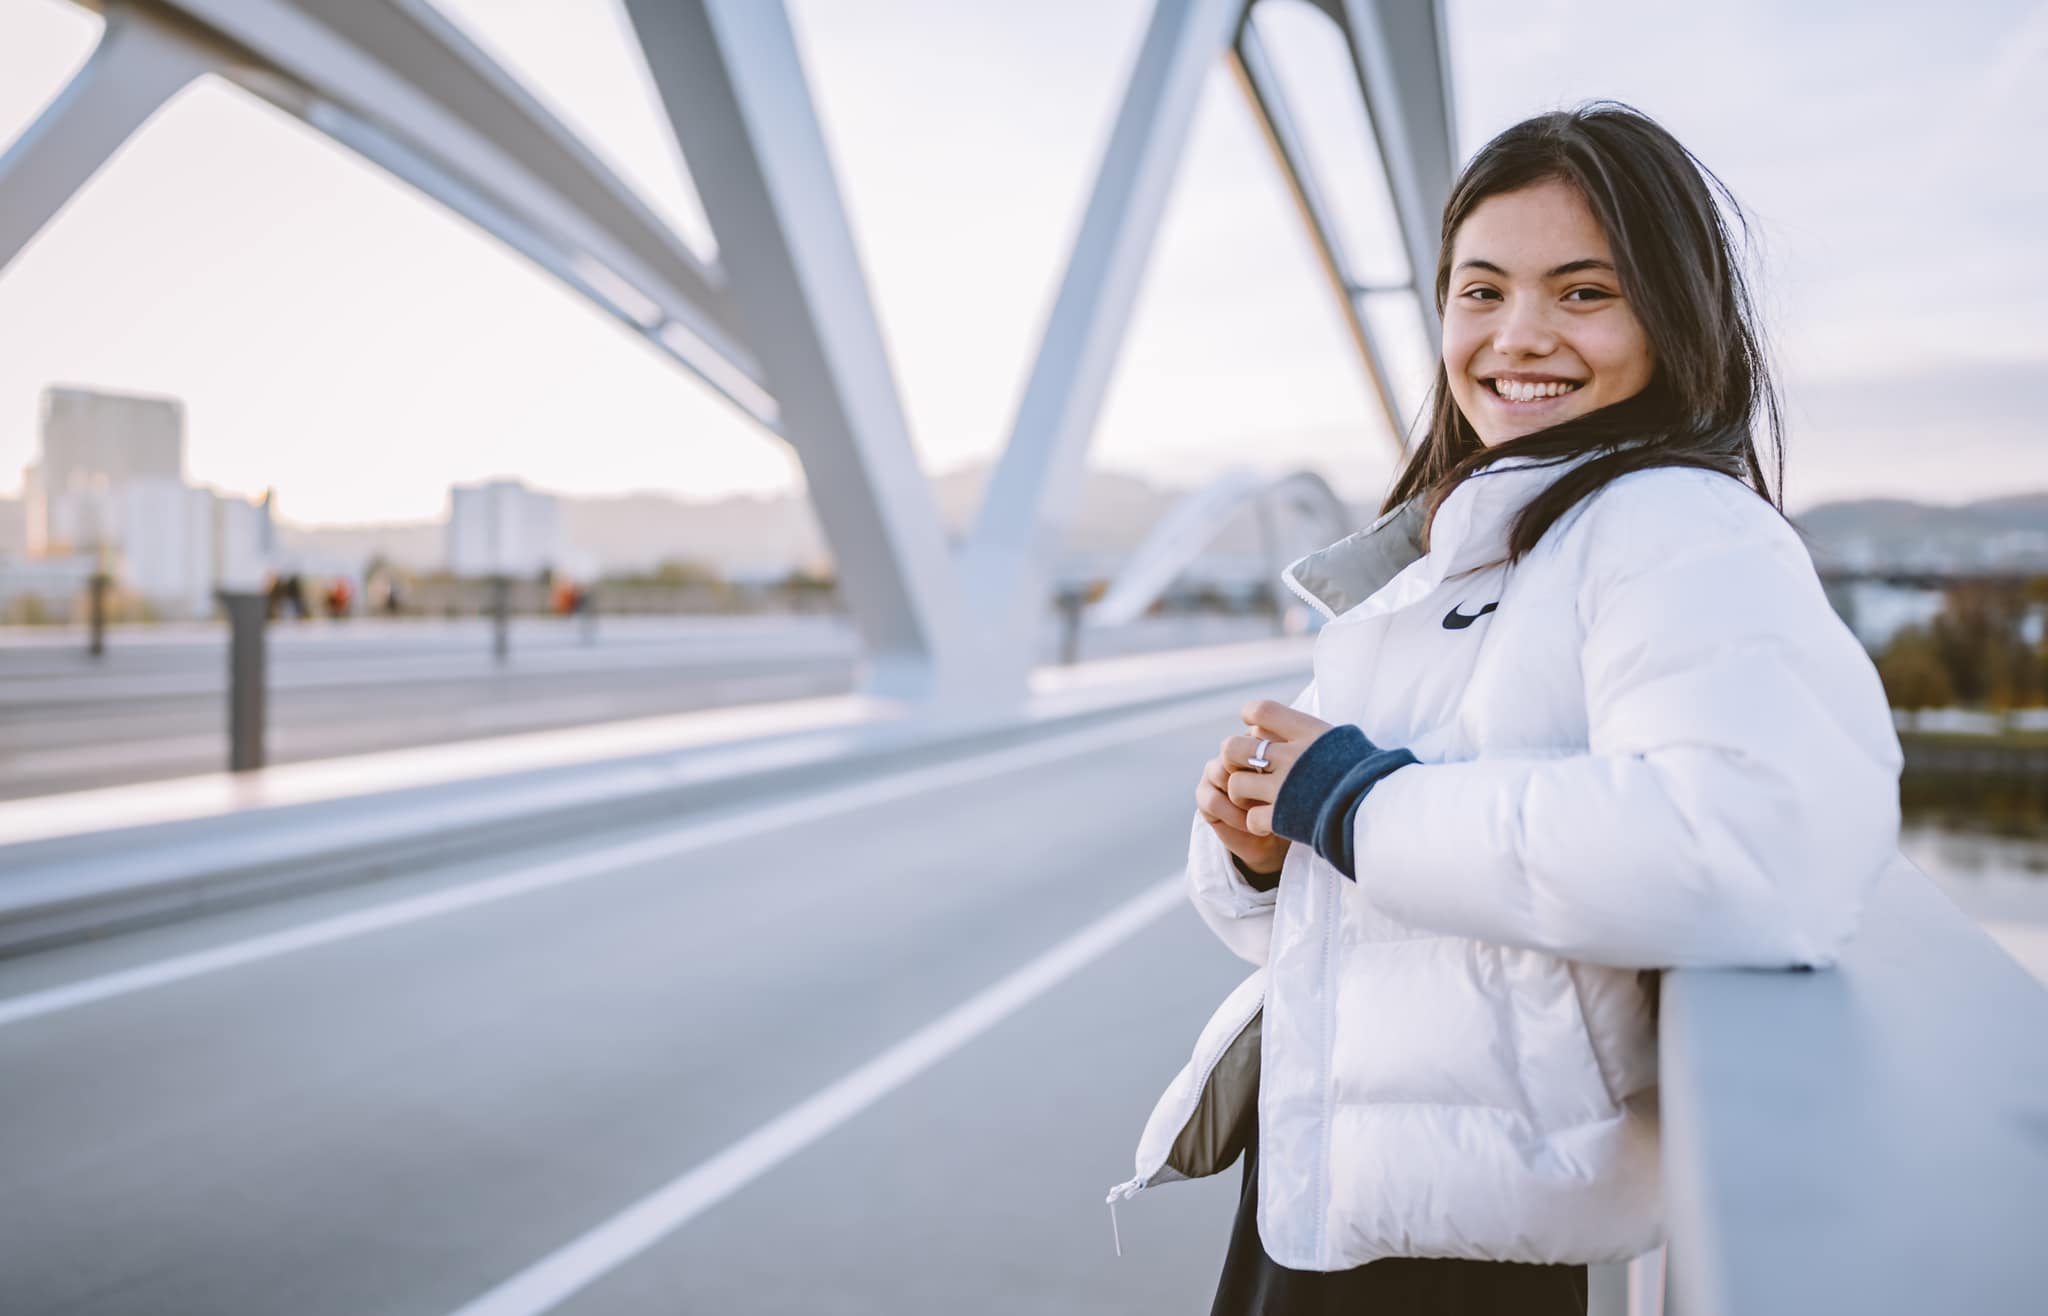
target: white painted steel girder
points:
(1268, 98)
(143, 59)
(1024, 511)
(782, 325)
(400, 85)
(1195, 521)
(1403, 57)
(731, 78)
(1022, 520)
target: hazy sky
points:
(337, 336)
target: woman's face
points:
(1536, 330)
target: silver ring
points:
(1258, 759)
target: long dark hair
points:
(1676, 260)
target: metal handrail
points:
(1868, 1138)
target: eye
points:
(1481, 293)
(1592, 294)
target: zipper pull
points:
(1121, 1192)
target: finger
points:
(1239, 751)
(1285, 723)
(1217, 807)
(1231, 837)
(1249, 788)
(1213, 801)
(1259, 821)
(1217, 773)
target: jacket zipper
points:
(1130, 1188)
(1301, 592)
(1334, 894)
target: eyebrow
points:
(1569, 267)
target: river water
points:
(2000, 880)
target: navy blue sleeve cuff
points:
(1325, 787)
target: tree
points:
(1913, 672)
(1981, 638)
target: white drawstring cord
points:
(1113, 1235)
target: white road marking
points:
(545, 1284)
(696, 836)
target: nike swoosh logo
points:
(1458, 621)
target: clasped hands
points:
(1236, 799)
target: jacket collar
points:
(1471, 529)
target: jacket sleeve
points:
(1239, 913)
(1740, 794)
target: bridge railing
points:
(1870, 1138)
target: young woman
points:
(1580, 711)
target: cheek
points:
(1458, 347)
(1622, 354)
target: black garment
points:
(1254, 1285)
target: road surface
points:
(277, 1111)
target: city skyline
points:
(341, 339)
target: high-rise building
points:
(109, 493)
(13, 527)
(167, 543)
(502, 528)
(94, 445)
(244, 541)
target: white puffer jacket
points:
(1660, 749)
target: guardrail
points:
(1870, 1138)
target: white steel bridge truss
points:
(782, 324)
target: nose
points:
(1524, 329)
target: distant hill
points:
(752, 536)
(755, 536)
(420, 545)
(2008, 533)
(744, 536)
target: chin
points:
(1505, 430)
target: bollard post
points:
(97, 645)
(587, 605)
(246, 679)
(501, 617)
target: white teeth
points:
(1514, 391)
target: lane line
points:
(696, 836)
(545, 1284)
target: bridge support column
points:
(1024, 513)
(734, 88)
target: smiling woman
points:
(1594, 304)
(1581, 711)
(1536, 330)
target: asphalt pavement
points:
(720, 1065)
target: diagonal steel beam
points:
(399, 84)
(1194, 522)
(1402, 55)
(143, 59)
(1025, 511)
(1268, 98)
(733, 83)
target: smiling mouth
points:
(1508, 390)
